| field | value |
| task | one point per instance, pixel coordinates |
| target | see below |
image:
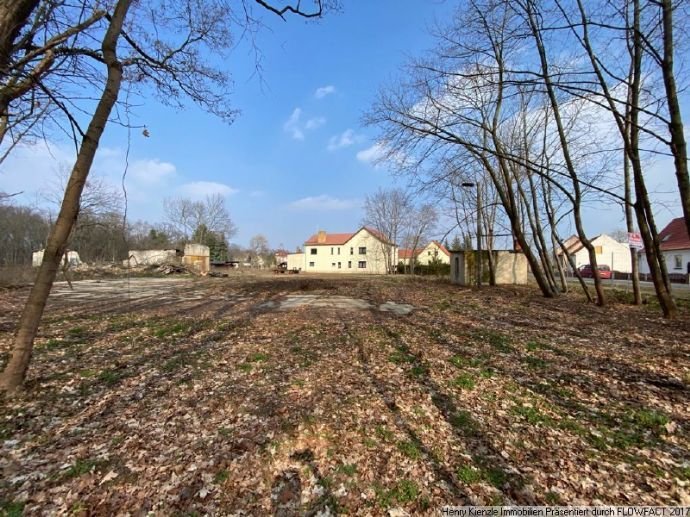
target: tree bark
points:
(678, 145)
(14, 374)
(14, 15)
(643, 209)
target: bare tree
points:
(388, 211)
(419, 223)
(187, 216)
(258, 245)
(116, 46)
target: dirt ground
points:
(298, 395)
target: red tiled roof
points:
(407, 253)
(674, 236)
(338, 239)
(331, 239)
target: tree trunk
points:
(12, 378)
(565, 150)
(678, 145)
(14, 14)
(643, 209)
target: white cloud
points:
(324, 202)
(201, 189)
(345, 139)
(372, 154)
(323, 91)
(296, 127)
(315, 122)
(152, 171)
(292, 125)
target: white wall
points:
(295, 261)
(430, 252)
(669, 257)
(614, 254)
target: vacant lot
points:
(299, 394)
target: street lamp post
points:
(479, 229)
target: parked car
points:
(605, 272)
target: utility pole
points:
(479, 235)
(478, 258)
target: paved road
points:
(623, 284)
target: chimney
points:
(321, 239)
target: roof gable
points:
(675, 236)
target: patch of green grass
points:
(245, 367)
(326, 482)
(257, 357)
(419, 370)
(487, 373)
(224, 432)
(463, 421)
(80, 467)
(648, 419)
(369, 443)
(496, 476)
(410, 450)
(111, 377)
(464, 381)
(468, 475)
(401, 357)
(173, 364)
(459, 361)
(405, 491)
(54, 344)
(11, 509)
(221, 476)
(552, 499)
(349, 469)
(534, 362)
(87, 373)
(76, 332)
(384, 434)
(117, 440)
(497, 340)
(175, 328)
(531, 414)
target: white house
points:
(434, 251)
(364, 251)
(609, 252)
(675, 247)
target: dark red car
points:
(605, 272)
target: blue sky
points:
(296, 158)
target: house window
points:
(349, 264)
(311, 264)
(338, 251)
(352, 251)
(598, 250)
(332, 264)
(331, 251)
(313, 251)
(362, 264)
(428, 252)
(362, 250)
(677, 261)
(339, 265)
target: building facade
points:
(675, 247)
(608, 250)
(364, 251)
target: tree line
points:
(526, 111)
